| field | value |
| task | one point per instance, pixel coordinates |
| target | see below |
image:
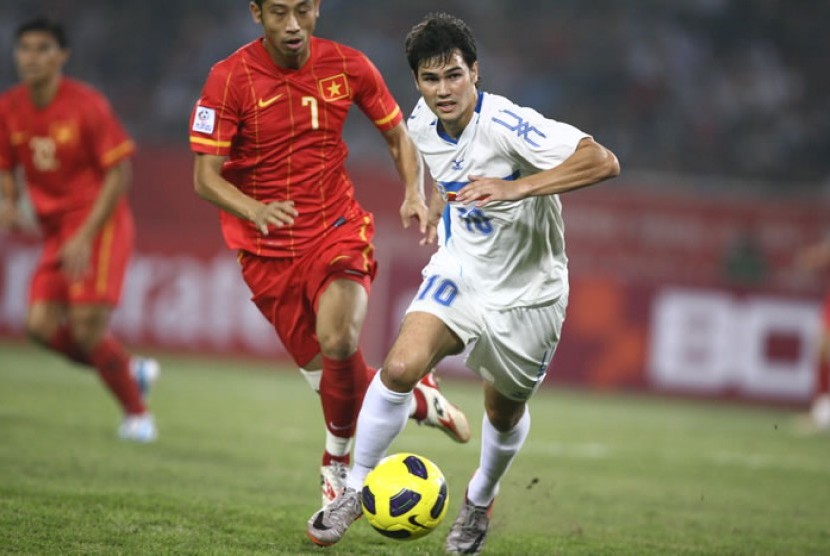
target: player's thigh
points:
(278, 292)
(341, 311)
(444, 295)
(421, 343)
(516, 347)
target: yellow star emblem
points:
(334, 89)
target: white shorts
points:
(512, 347)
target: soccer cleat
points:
(145, 371)
(441, 414)
(328, 525)
(468, 533)
(138, 428)
(333, 480)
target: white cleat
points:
(138, 428)
(333, 480)
(442, 414)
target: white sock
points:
(337, 445)
(497, 452)
(313, 378)
(382, 417)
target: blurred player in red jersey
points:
(267, 133)
(75, 157)
(816, 258)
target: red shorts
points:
(111, 252)
(287, 290)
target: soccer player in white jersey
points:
(499, 278)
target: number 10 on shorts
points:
(442, 290)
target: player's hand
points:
(76, 257)
(10, 217)
(277, 213)
(433, 220)
(414, 208)
(483, 190)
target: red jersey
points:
(282, 131)
(65, 148)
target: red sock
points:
(361, 380)
(338, 394)
(64, 343)
(823, 379)
(113, 366)
(328, 458)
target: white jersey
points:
(512, 253)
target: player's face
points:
(39, 57)
(449, 90)
(288, 26)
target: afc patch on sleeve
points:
(205, 120)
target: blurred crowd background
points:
(683, 271)
(733, 89)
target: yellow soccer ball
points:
(405, 496)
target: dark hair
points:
(47, 26)
(437, 37)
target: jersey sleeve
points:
(110, 142)
(215, 118)
(539, 142)
(6, 153)
(373, 96)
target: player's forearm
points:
(212, 187)
(115, 185)
(589, 164)
(407, 161)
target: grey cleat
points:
(328, 525)
(468, 533)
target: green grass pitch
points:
(235, 470)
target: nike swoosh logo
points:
(266, 103)
(334, 427)
(318, 522)
(447, 423)
(414, 521)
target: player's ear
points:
(474, 73)
(256, 12)
(415, 79)
(317, 7)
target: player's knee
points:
(338, 345)
(40, 330)
(87, 332)
(399, 375)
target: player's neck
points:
(286, 62)
(44, 92)
(456, 127)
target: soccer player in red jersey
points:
(75, 157)
(267, 133)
